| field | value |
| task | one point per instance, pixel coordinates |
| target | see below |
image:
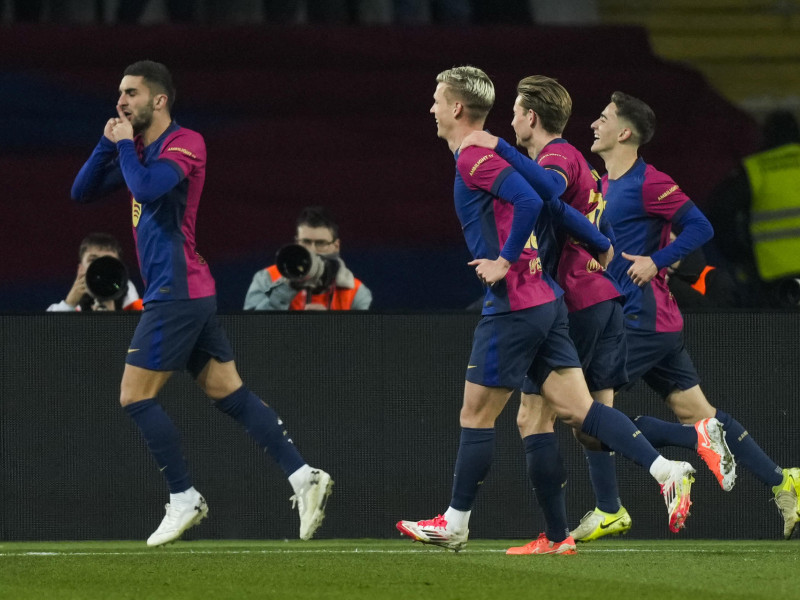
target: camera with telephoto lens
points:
(106, 279)
(306, 269)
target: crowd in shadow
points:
(298, 12)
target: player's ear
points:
(458, 108)
(161, 101)
(625, 134)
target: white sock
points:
(299, 478)
(661, 468)
(457, 520)
(184, 497)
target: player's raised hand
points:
(642, 270)
(482, 139)
(109, 128)
(122, 129)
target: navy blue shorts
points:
(660, 360)
(507, 346)
(179, 335)
(599, 335)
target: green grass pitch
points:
(388, 569)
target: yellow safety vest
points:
(775, 210)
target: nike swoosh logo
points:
(132, 350)
(607, 525)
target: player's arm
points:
(548, 183)
(146, 183)
(577, 225)
(696, 230)
(664, 199)
(100, 175)
(607, 229)
(527, 206)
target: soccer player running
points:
(555, 168)
(524, 326)
(163, 165)
(642, 206)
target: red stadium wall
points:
(307, 115)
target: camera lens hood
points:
(298, 264)
(107, 278)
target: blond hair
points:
(472, 87)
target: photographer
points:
(326, 285)
(79, 298)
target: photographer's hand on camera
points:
(78, 289)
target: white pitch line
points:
(355, 551)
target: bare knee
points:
(534, 416)
(219, 379)
(690, 406)
(482, 405)
(140, 384)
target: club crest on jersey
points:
(136, 211)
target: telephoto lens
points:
(299, 265)
(107, 279)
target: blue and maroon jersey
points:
(584, 282)
(641, 207)
(169, 175)
(164, 228)
(486, 220)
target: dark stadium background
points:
(314, 115)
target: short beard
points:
(144, 121)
